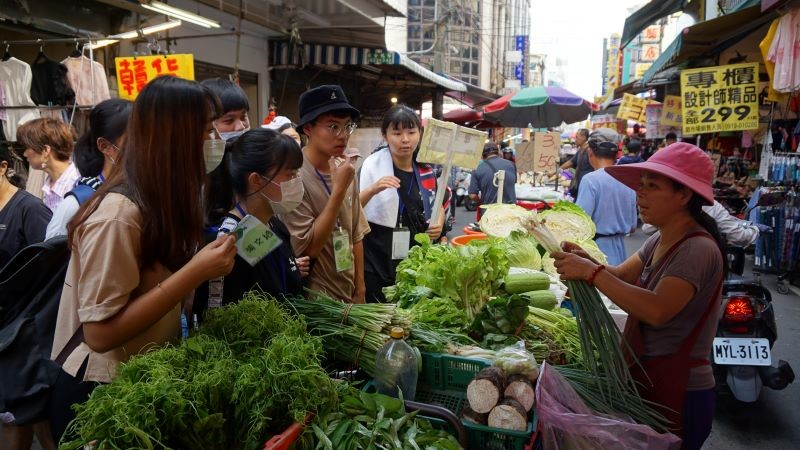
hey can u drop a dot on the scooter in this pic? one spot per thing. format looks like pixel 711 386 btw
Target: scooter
pixel 462 192
pixel 741 353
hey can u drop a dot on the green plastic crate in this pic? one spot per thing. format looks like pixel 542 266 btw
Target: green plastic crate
pixel 443 382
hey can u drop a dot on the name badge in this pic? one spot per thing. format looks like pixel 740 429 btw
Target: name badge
pixel 401 240
pixel 254 240
pixel 342 251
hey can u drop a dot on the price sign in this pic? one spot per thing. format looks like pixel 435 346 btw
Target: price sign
pixel 437 143
pixel 133 73
pixel 524 157
pixel 722 98
pixel 632 108
pixel 546 147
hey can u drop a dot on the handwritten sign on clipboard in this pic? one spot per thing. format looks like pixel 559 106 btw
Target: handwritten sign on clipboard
pixel 437 142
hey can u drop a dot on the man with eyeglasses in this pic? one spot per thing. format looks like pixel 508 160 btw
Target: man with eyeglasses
pixel 329 224
pixel 610 204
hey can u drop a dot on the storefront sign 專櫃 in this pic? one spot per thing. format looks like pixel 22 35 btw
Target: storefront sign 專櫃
pixel 134 72
pixel 632 108
pixel 721 98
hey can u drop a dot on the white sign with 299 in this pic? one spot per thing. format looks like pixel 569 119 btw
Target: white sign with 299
pixel 741 351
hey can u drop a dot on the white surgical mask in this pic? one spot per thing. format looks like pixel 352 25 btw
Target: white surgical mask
pixel 228 135
pixel 291 195
pixel 213 151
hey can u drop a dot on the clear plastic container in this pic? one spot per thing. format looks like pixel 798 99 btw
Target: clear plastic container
pixel 396 367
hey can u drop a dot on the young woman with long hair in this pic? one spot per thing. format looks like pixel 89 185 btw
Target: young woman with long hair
pixel 135 244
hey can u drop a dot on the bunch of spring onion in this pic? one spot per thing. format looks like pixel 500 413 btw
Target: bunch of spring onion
pixel 558 331
pixel 600 341
pixel 375 317
pixel 350 344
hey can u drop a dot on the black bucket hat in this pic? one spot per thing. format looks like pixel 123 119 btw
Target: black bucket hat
pixel 323 99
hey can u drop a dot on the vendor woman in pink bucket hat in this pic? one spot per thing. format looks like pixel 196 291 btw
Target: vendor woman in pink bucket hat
pixel 670 288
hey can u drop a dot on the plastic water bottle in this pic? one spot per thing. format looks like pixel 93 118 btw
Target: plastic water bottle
pixel 396 367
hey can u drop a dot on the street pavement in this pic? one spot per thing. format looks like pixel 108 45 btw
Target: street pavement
pixel 772 422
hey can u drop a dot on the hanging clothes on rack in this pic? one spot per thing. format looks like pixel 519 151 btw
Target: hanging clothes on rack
pixel 88 80
pixel 50 85
pixel 783 52
pixel 16 78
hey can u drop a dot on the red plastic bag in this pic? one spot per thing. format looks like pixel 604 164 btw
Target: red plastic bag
pixel 567 423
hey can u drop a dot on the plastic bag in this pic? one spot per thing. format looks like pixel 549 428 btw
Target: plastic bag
pixel 515 359
pixel 567 423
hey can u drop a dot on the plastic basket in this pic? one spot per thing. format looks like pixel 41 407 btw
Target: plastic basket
pixel 443 382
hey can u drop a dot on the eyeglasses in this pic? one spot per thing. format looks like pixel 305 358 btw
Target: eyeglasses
pixel 336 130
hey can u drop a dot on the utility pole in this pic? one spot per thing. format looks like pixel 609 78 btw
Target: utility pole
pixel 440 54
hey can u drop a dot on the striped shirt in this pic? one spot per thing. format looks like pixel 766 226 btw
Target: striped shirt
pixel 54 191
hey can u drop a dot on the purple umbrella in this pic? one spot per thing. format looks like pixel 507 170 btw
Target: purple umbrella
pixel 540 107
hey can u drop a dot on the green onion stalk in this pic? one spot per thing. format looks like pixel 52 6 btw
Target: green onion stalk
pixel 600 341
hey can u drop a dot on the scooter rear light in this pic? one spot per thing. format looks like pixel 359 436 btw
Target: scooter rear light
pixel 739 310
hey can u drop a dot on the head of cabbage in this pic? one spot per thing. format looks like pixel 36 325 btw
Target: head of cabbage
pixel 522 251
pixel 568 222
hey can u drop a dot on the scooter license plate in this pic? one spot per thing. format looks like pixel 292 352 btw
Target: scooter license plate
pixel 741 351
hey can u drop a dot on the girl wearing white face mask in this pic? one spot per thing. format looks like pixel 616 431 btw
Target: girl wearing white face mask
pixel 261 168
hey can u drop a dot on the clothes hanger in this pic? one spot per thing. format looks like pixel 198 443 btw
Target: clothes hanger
pixel 7 54
pixel 41 57
pixel 77 52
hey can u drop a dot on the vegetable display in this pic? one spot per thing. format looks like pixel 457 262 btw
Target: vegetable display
pixel 522 251
pixel 498 400
pixel 468 275
pixel 251 370
pixel 374 421
pixel 503 220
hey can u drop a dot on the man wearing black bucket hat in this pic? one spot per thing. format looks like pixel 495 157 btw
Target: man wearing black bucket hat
pixel 329 224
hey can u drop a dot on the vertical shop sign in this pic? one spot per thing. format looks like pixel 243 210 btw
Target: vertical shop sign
pixel 721 98
pixel 133 73
pixel 521 44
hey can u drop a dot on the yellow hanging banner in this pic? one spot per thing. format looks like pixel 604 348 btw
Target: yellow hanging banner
pixel 671 113
pixel 134 72
pixel 632 108
pixel 721 98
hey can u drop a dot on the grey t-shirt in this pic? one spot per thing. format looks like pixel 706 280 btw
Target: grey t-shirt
pixel 483 180
pixel 698 262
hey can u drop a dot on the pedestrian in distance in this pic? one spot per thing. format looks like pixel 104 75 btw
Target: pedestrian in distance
pixel 580 162
pixel 283 125
pixel 483 184
pixel 48 146
pixel 610 204
pixel 632 153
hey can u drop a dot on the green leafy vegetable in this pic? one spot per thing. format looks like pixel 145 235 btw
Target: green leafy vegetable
pixel 522 251
pixel 441 313
pixel 502 315
pixel 568 222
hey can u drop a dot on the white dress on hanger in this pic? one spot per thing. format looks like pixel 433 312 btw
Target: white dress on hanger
pixel 16 79
pixel 88 80
pixel 785 53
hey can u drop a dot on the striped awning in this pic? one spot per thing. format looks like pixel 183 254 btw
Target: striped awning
pixel 321 54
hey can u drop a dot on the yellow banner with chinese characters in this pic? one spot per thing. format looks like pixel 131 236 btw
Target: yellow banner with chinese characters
pixel 671 113
pixel 632 108
pixel 721 98
pixel 134 72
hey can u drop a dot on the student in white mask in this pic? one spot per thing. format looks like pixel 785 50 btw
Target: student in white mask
pixel 233 121
pixel 261 182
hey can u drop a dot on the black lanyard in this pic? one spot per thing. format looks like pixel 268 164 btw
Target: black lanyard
pixel 408 195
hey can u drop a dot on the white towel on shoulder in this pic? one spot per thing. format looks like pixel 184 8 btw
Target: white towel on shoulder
pixel 382 208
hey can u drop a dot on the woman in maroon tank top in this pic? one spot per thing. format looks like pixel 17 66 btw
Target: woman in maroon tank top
pixel 670 288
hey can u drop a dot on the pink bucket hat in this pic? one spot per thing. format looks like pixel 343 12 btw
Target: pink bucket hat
pixel 681 162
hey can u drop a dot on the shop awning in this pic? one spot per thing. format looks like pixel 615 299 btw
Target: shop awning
pixel 474 96
pixel 320 54
pixel 708 38
pixel 647 15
